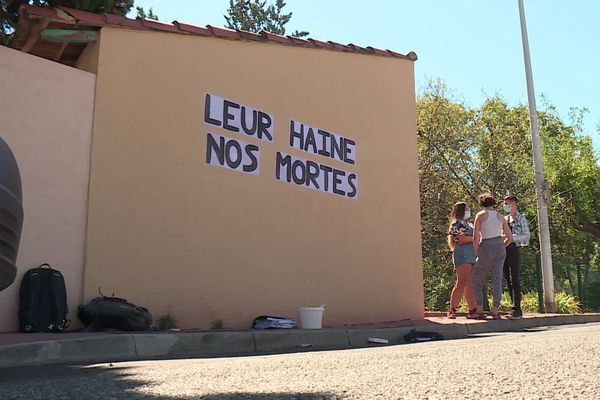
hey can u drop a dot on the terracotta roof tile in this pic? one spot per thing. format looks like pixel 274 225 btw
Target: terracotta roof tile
pixel 397 55
pixel 134 24
pixel 84 17
pixel 224 32
pixel 378 52
pixel 358 49
pixel 339 46
pixel 250 35
pixel 412 56
pixel 299 41
pixel 318 43
pixel 43 12
pixel 157 25
pixel 189 28
pixel 273 37
pixel 70 16
pixel 112 19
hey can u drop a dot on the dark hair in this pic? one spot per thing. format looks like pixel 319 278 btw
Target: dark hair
pixel 458 211
pixel 511 198
pixel 486 200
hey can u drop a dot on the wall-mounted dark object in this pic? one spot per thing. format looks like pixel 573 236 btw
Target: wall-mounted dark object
pixel 11 215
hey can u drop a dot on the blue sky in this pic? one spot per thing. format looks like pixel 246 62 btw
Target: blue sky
pixel 473 45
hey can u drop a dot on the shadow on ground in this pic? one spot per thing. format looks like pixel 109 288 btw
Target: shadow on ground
pixel 270 396
pixel 107 381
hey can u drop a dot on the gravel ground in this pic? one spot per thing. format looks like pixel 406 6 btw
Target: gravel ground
pixel 557 363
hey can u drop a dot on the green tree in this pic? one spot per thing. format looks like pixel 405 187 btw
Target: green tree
pixel 443 128
pixel 256 16
pixel 573 173
pixel 141 13
pixel 465 151
pixel 9 10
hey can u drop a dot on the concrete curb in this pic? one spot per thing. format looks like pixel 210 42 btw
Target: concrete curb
pixel 151 346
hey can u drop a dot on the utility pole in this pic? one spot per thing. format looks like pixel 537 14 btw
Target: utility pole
pixel 541 186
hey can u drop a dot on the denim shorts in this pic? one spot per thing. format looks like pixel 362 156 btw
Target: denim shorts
pixel 463 254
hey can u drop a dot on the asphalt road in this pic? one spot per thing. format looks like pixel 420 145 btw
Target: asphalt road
pixel 554 363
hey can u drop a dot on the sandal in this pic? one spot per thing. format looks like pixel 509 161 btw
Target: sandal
pixel 471 313
pixel 496 315
pixel 451 314
pixel 476 315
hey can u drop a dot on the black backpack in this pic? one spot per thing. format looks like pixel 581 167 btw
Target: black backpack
pixel 43 301
pixel 104 312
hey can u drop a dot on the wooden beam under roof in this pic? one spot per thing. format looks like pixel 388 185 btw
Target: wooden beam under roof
pixel 60 51
pixel 34 35
pixel 69 35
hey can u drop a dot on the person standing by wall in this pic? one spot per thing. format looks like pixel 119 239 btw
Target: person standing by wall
pixel 460 241
pixel 489 245
pixel 520 231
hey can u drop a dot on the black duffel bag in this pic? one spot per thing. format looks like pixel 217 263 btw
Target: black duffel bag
pixel 103 313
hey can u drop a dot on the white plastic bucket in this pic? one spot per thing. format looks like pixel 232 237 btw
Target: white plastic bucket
pixel 311 317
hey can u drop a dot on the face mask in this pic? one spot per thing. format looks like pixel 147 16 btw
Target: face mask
pixel 467 214
pixel 506 208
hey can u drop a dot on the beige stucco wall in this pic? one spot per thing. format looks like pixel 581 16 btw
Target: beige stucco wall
pixel 88 59
pixel 46 117
pixel 169 232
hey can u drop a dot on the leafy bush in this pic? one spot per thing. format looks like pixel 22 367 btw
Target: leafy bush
pixel 438 282
pixel 462 306
pixel 505 303
pixel 437 296
pixel 529 302
pixel 166 322
pixel 565 303
pixel 217 324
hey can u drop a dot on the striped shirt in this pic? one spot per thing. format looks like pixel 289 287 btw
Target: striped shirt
pixel 520 229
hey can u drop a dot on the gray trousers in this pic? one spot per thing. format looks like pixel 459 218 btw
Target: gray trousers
pixel 490 258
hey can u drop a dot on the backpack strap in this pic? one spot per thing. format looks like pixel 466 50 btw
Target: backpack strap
pixel 63 323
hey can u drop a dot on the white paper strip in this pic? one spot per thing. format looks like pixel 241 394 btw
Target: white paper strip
pixel 313 175
pixel 234 154
pixel 321 142
pixel 240 118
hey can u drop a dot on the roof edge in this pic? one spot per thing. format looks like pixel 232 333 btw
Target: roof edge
pixel 70 16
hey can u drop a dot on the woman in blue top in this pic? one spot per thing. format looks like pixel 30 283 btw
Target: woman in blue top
pixel 460 241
